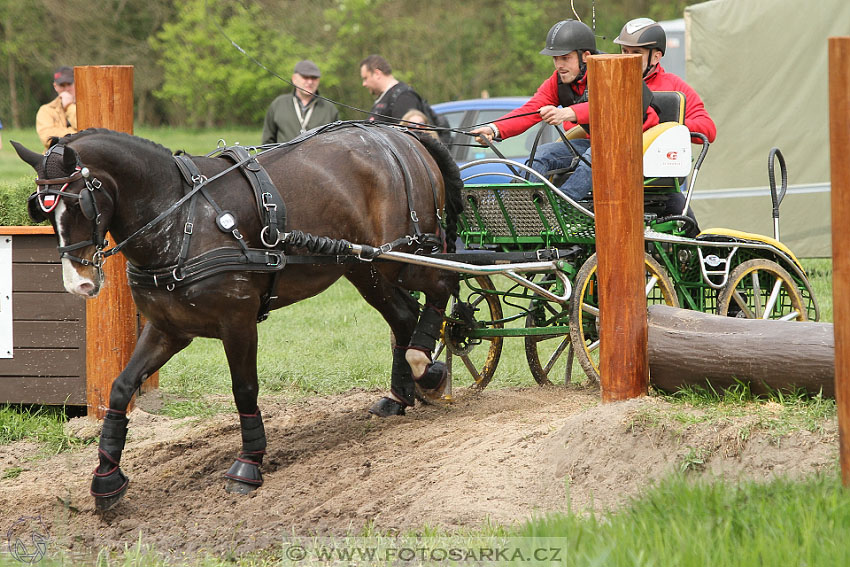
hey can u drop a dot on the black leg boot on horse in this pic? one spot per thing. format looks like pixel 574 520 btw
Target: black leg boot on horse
pixel 244 475
pixel 109 483
pixel 401 388
pixel 429 376
pixel 414 374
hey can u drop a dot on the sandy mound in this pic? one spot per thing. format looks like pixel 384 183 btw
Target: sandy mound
pixel 497 456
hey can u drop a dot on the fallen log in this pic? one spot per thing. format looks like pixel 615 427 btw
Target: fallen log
pixel 693 348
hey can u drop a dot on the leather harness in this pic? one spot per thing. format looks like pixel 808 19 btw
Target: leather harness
pixel 272 212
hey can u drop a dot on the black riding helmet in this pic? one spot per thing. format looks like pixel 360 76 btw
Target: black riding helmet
pixel 643 32
pixel 567 36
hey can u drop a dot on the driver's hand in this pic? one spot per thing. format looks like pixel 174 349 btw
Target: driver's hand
pixel 484 134
pixel 555 115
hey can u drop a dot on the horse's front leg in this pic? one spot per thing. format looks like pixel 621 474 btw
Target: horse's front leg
pixel 240 346
pixel 152 351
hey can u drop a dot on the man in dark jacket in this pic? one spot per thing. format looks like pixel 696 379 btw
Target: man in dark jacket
pixel 395 98
pixel 292 114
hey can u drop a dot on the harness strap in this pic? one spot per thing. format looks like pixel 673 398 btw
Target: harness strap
pixel 208 264
pixel 190 171
pixel 408 184
pixel 270 204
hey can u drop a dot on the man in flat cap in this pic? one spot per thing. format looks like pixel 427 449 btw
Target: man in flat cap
pixel 292 114
pixel 58 117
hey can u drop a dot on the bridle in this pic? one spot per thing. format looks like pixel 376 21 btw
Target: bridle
pixel 46 197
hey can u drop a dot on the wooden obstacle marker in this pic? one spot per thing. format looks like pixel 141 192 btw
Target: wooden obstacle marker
pixel 691 348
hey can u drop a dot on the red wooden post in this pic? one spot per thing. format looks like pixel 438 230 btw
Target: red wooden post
pixel 839 141
pixel 105 100
pixel 615 123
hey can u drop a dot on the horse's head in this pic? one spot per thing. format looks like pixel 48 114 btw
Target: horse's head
pixel 79 208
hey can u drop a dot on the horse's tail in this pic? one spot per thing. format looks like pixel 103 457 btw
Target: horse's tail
pixel 453 183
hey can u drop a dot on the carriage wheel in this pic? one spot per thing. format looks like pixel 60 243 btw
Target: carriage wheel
pixel 761 289
pixel 550 356
pixel 478 308
pixel 584 309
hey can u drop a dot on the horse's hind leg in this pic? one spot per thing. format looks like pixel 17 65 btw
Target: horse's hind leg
pixel 438 285
pixel 415 334
pixel 240 346
pixel 400 310
pixel 152 351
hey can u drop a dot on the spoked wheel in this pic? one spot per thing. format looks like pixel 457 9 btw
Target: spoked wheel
pixel 761 289
pixel 464 331
pixel 549 355
pixel 584 309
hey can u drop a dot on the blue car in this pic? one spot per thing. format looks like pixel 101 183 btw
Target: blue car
pixel 465 114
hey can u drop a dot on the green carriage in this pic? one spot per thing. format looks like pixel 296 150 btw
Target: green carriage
pixel 526 221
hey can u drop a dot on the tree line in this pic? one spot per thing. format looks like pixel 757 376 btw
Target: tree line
pixel 189 72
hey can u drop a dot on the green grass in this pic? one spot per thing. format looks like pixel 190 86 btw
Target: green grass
pixel 819 271
pixel 39 424
pixel 778 413
pixel 684 523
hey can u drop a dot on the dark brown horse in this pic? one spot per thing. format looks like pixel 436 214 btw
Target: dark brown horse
pixel 206 251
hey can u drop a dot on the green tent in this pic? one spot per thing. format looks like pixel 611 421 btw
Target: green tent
pixel 761 67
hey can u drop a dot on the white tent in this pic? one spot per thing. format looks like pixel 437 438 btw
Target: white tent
pixel 761 68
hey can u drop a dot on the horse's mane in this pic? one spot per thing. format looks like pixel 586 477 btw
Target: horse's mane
pixel 92 131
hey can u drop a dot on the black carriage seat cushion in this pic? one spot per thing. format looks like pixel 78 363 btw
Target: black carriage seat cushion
pixel 670 106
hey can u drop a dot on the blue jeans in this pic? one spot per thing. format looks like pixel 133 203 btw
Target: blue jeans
pixel 557 155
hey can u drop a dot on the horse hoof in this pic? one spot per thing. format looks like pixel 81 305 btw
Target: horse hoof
pixel 244 476
pixel 106 503
pixel 108 490
pixel 236 487
pixel 386 407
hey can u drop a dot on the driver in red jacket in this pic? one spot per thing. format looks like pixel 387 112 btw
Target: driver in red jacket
pixel 646 37
pixel 560 100
pixel 642 36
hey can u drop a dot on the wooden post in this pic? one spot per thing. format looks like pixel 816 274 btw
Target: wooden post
pixel 615 124
pixel 105 100
pixel 839 141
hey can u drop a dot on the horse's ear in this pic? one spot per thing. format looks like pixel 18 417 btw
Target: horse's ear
pixel 70 159
pixel 28 156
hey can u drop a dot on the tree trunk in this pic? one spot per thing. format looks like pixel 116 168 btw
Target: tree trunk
pixel 692 348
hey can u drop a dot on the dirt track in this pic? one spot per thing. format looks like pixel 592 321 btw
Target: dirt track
pixel 497 456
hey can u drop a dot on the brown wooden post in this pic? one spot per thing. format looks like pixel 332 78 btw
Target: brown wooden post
pixel 839 141
pixel 615 124
pixel 105 100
